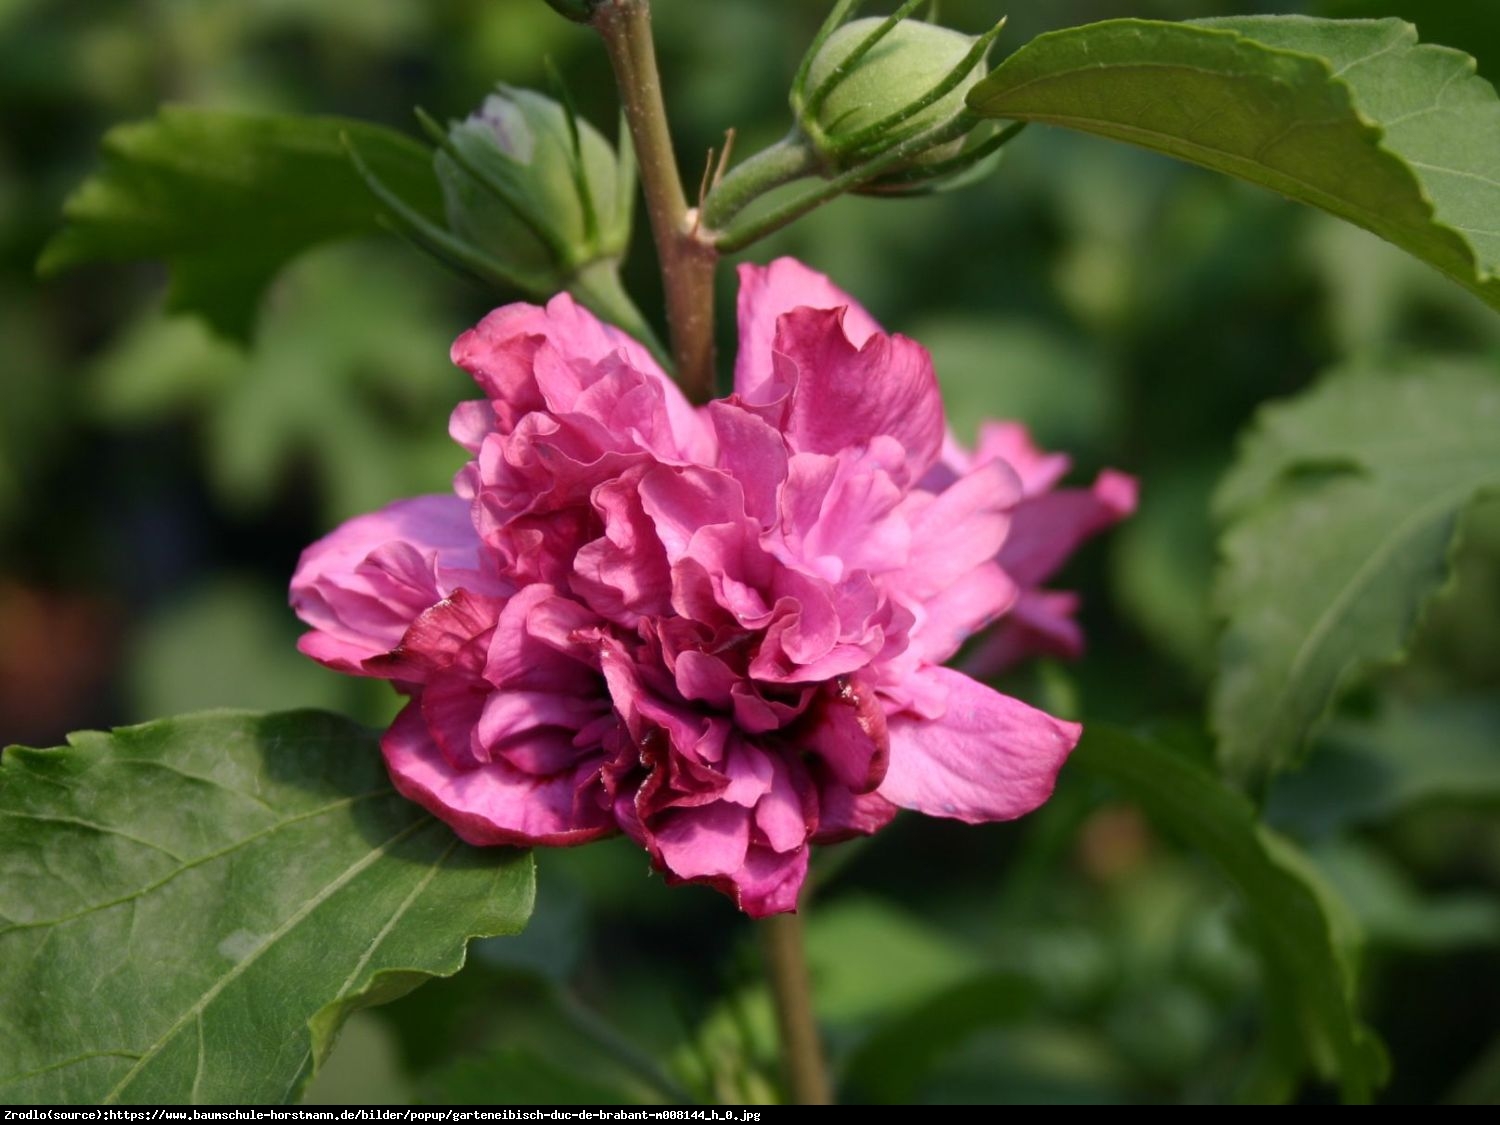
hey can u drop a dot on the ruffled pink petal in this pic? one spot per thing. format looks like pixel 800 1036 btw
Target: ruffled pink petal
pixel 451 707
pixel 361 586
pixel 536 645
pixel 785 817
pixel 471 422
pixel 958 530
pixel 754 454
pixel 681 500
pixel 751 773
pixel 841 396
pixel 843 815
pixel 534 730
pixel 1041 623
pixel 839 514
pixel 767 883
pixel 527 359
pixel 453 632
pixel 697 843
pixel 766 293
pixel 847 730
pixel 947 619
pixel 757 856
pixel 1047 529
pixel 623 575
pixel 805 641
pixel 500 351
pixel 723 576
pixel 494 803
pixel 1011 442
pixel 989 757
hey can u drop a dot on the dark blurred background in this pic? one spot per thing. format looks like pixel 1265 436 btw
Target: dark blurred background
pixel 157 484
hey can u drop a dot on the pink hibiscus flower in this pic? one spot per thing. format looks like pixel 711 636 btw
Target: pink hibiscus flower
pixel 720 630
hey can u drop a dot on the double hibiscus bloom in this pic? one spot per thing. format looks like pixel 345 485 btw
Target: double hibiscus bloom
pixel 719 630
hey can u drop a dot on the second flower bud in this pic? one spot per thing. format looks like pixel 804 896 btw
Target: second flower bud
pixel 535 188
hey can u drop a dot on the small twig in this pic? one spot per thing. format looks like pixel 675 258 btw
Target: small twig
pixel 724 155
pixel 708 175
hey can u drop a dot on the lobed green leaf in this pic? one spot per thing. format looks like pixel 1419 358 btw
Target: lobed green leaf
pixel 1353 116
pixel 227 199
pixel 189 909
pixel 1342 509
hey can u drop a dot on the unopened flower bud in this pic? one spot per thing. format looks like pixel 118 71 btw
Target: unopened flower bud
pixel 910 59
pixel 534 188
pixel 873 84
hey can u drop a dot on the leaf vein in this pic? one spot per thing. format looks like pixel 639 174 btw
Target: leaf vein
pixel 385 930
pixel 1392 44
pixel 190 864
pixel 291 923
pixel 64 1063
pixel 1453 172
pixel 103 829
pixel 1368 569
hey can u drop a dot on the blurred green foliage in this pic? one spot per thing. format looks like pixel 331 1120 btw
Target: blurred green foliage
pixel 157 483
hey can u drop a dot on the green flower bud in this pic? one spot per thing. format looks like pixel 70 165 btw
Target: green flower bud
pixel 534 188
pixel 904 64
pixel 872 84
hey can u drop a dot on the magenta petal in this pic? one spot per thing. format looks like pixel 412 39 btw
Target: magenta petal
pixel 958 612
pixel 770 881
pixel 840 514
pixel 501 350
pixel 989 757
pixel 493 804
pixel 842 815
pixel 680 501
pixel 847 730
pixel 705 678
pixel 1011 443
pixel 751 773
pixel 470 423
pixel 767 292
pixel 624 574
pixel 844 396
pixel 754 454
pixel 510 718
pixel 1040 623
pixel 959 529
pixel 361 586
pixel 451 632
pixel 1047 529
pixel 785 816
pixel 532 647
pixel 695 843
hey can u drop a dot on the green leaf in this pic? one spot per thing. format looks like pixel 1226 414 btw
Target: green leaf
pixel 1353 116
pixel 342 394
pixel 1394 912
pixel 190 908
pixel 227 199
pixel 1302 931
pixel 1342 510
pixel 1369 769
